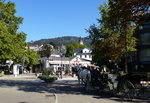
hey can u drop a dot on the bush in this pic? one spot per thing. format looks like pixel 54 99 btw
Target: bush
pixel 148 76
pixel 121 73
pixel 48 78
pixel 1 75
pixel 0 71
pixel 47 71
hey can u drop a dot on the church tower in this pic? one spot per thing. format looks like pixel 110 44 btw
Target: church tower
pixel 81 41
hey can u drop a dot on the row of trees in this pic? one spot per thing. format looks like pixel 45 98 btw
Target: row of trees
pixel 12 42
pixel 115 34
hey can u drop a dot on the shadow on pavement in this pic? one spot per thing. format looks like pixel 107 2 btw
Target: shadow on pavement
pixel 68 87
pixel 58 87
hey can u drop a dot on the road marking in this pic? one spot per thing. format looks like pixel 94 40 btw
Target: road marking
pixel 56 98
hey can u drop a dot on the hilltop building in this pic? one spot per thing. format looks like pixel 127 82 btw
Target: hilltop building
pixel 35 48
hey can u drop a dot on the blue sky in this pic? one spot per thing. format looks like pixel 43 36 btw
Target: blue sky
pixel 45 19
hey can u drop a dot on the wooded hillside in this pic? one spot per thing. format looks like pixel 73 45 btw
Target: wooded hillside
pixel 62 40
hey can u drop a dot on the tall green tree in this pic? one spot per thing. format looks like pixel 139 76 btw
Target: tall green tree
pixel 46 50
pixel 6 44
pixel 126 11
pixel 31 58
pixel 70 48
pixel 125 18
pixel 12 43
pixel 77 45
pixel 108 41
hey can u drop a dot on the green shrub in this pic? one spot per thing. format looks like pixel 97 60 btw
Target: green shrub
pixel 47 71
pixel 0 71
pixel 1 75
pixel 148 75
pixel 121 73
pixel 48 78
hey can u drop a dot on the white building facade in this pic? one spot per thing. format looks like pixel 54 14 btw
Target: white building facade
pixel 83 53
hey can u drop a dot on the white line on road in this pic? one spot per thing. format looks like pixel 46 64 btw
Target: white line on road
pixel 56 98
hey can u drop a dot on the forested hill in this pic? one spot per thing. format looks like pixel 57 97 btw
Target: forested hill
pixel 62 40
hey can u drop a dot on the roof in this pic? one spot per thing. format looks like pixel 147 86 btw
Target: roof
pixel 54 51
pixel 64 58
pixel 80 50
pixel 58 58
pixel 83 53
pixel 85 59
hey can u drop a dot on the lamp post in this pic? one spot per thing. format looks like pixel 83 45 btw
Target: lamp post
pixel 70 71
pixel 22 58
pixel 125 55
pixel 61 67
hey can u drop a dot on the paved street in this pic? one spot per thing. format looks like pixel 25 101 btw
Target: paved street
pixel 24 90
pixel 68 91
pixel 33 90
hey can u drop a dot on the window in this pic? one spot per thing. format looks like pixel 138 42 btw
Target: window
pixel 146 26
pixel 147 23
pixel 89 56
pixel 145 39
pixel 145 55
pixel 85 56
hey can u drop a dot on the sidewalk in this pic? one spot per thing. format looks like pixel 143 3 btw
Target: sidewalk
pixel 20 76
pixel 67 78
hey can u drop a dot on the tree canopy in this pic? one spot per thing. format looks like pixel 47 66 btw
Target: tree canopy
pixel 31 57
pixel 46 50
pixel 12 42
pixel 127 10
pixel 110 41
pixel 70 48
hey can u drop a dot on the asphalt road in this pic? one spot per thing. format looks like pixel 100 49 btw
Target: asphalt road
pixel 24 90
pixel 33 90
pixel 68 91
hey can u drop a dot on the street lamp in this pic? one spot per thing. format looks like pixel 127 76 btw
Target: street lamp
pixel 22 59
pixel 125 55
pixel 61 67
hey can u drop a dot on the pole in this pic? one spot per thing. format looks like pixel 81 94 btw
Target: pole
pixel 125 55
pixel 22 63
pixel 61 68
